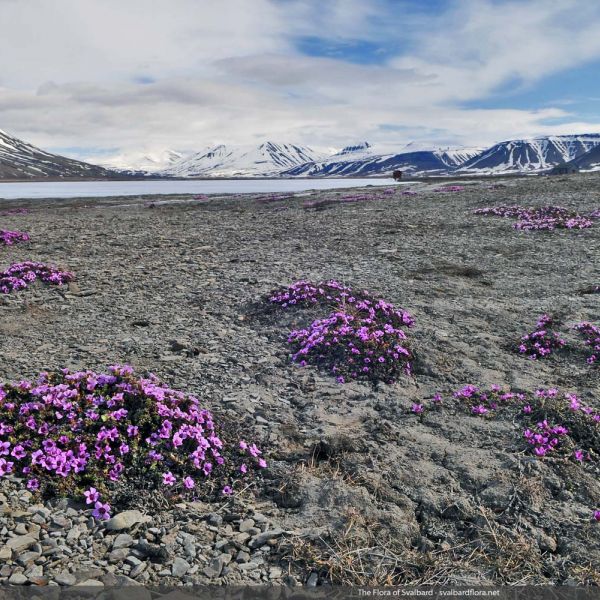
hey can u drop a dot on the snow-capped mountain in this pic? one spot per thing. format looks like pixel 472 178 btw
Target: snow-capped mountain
pixel 267 159
pixel 362 160
pixel 144 162
pixel 529 155
pixel 19 160
pixel 590 161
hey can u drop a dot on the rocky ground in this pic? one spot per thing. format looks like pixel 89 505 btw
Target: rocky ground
pixel 359 489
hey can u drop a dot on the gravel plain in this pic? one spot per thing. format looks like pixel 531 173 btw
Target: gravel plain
pixel 360 489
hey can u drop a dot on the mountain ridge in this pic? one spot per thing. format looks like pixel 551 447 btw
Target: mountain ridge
pixel 20 160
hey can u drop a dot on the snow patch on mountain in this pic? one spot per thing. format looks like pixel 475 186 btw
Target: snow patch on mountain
pixel 143 161
pixel 363 160
pixel 529 155
pixel 267 159
pixel 20 160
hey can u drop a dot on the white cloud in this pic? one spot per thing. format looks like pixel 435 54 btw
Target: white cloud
pixel 151 74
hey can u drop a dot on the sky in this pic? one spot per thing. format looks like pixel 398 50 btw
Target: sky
pixel 100 78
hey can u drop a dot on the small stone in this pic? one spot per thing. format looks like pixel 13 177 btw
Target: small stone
pixel 180 567
pixel 34 572
pixel 5 553
pixel 214 519
pixel 260 539
pixel 90 583
pixel 546 543
pixel 65 578
pixel 242 557
pixel 20 543
pixel 28 557
pixel 138 570
pixel 246 524
pixel 118 555
pixel 17 579
pixel 275 573
pixel 21 529
pixel 312 580
pixel 249 566
pixel 60 522
pixel 126 520
pixel 123 540
pixel 214 569
pixel 153 551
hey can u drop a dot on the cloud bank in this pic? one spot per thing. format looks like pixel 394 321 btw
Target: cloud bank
pixel 95 77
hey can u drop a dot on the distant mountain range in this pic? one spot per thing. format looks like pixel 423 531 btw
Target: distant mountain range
pixel 590 161
pixel 19 160
pixel 538 154
pixel 361 160
pixel 269 159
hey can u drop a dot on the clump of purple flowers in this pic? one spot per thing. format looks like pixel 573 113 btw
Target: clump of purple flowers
pixel 542 341
pixel 545 438
pixel 71 431
pixel 591 336
pixel 362 338
pixel 539 218
pixel 8 238
pixel 273 197
pixel 304 294
pixel 450 188
pixel 14 211
pixel 19 275
pixel 483 402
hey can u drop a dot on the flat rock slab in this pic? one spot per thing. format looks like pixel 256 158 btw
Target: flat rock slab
pixel 126 520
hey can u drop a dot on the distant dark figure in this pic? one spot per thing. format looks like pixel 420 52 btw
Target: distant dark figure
pixel 397 175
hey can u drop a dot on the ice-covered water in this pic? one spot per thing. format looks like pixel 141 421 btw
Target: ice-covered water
pixel 98 189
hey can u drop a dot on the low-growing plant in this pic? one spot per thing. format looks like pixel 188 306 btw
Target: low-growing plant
pixel 541 342
pixel 544 437
pixel 14 211
pixel 84 433
pixel 362 338
pixel 8 238
pixel 273 197
pixel 487 402
pixel 19 275
pixel 591 336
pixel 540 218
pixel 346 199
pixel 450 188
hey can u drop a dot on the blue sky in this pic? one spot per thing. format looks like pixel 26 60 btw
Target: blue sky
pixel 186 75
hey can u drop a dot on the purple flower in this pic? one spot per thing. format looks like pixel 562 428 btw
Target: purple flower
pixel 189 483
pixel 417 408
pixel 101 511
pixel 168 478
pixel 91 495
